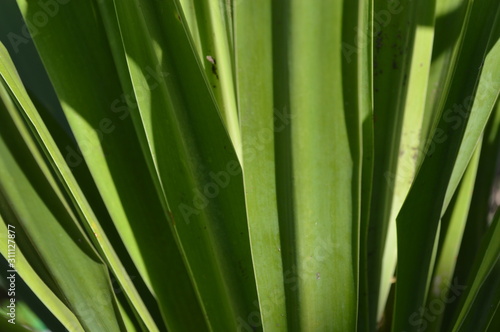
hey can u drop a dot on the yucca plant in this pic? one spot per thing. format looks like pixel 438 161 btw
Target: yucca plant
pixel 250 165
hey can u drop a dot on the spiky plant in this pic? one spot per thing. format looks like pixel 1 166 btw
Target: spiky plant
pixel 250 165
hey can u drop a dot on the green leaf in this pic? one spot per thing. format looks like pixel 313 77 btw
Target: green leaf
pixel 453 225
pixel 217 58
pixel 321 212
pixel 482 296
pixel 59 241
pixel 71 186
pixel 258 121
pixel 358 94
pixel 100 120
pixel 443 166
pixel 397 82
pixel 193 158
pixel 481 205
pixel 38 286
